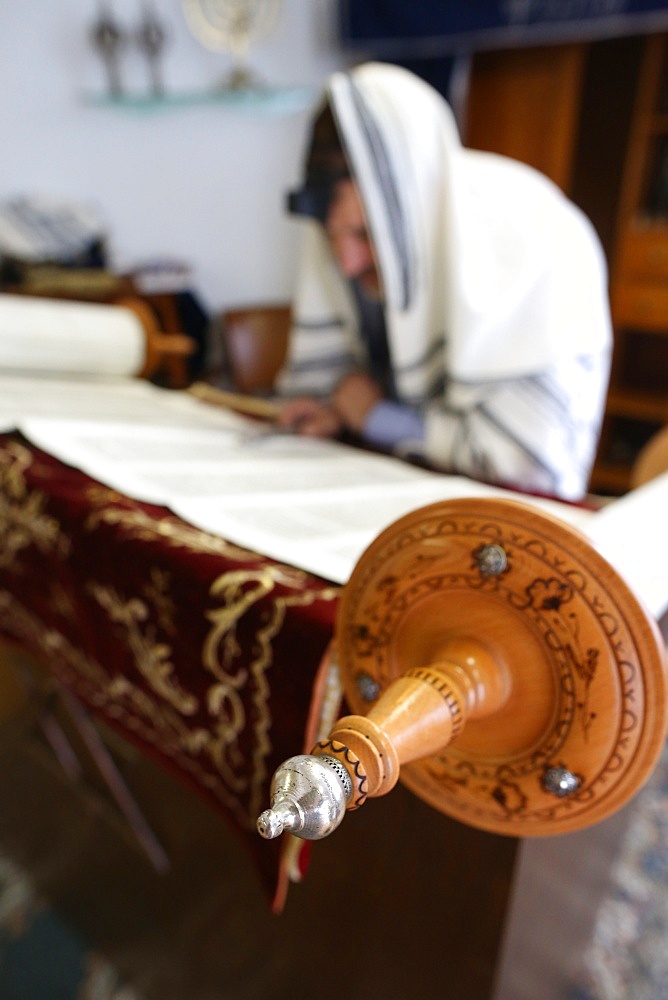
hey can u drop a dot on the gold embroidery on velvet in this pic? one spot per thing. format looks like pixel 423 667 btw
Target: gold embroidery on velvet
pixel 159 724
pixel 151 657
pixel 146 527
pixel 132 708
pixel 60 600
pixel 172 530
pixel 22 519
pixel 98 494
pixel 239 590
pixel 158 721
pixel 262 743
pixel 157 594
pixel 17 621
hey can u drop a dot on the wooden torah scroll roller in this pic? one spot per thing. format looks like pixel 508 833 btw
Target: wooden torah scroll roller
pixel 159 346
pixel 496 663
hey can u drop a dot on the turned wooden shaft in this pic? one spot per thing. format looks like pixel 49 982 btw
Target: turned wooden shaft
pixel 419 713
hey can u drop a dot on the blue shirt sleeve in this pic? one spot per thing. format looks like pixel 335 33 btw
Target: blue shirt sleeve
pixel 390 424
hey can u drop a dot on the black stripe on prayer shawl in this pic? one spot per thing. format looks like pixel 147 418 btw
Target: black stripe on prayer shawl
pixel 465 453
pixel 483 411
pixel 427 358
pixel 342 359
pixel 550 396
pixel 431 361
pixel 322 325
pixel 434 393
pixel 388 184
pixel 546 384
pixel 437 386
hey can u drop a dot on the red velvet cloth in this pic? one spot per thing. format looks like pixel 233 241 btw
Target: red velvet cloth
pixel 202 654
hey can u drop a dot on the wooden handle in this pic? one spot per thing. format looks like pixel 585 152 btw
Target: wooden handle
pixel 420 713
pixel 253 406
pixel 498 665
pixel 159 345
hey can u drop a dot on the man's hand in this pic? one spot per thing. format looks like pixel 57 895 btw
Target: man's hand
pixel 351 401
pixel 310 417
pixel 354 397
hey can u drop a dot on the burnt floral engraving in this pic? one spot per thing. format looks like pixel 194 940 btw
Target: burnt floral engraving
pixel 543 587
pixel 550 596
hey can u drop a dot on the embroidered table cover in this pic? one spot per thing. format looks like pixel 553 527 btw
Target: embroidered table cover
pixel 202 654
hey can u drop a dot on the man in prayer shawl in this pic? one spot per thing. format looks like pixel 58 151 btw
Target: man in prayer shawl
pixel 451 305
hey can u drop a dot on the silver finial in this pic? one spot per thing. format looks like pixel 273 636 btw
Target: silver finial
pixel 308 798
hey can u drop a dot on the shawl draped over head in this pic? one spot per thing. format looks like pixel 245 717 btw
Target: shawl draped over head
pixel 490 274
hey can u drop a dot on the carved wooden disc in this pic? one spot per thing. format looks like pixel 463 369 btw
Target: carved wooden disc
pixel 586 662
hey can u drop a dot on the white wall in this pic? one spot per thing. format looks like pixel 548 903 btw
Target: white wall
pixel 204 184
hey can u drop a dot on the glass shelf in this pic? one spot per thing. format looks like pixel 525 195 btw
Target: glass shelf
pixel 256 100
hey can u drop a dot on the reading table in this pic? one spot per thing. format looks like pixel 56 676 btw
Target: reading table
pixel 206 657
pixel 210 659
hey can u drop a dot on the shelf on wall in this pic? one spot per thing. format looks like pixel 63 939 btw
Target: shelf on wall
pixel 257 100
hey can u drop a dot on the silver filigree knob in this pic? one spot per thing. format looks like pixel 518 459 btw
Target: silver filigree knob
pixel 492 559
pixel 309 796
pixel 560 781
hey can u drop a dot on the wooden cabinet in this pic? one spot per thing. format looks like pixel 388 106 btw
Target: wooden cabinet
pixel 637 404
pixel 594 118
pixel 524 103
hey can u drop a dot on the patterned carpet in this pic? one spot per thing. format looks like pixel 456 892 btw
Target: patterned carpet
pixel 41 956
pixel 627 958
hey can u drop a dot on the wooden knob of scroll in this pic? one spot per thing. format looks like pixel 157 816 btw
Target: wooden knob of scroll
pixel 158 345
pixel 420 713
pixel 495 659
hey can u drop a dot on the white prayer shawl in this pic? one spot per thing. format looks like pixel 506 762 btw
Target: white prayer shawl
pixel 495 291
